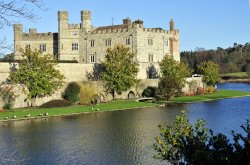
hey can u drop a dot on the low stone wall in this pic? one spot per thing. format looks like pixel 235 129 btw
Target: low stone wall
pixel 79 73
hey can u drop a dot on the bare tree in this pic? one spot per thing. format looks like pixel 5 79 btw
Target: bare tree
pixel 13 9
pixel 4 47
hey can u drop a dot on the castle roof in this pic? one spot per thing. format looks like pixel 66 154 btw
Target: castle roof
pixel 112 27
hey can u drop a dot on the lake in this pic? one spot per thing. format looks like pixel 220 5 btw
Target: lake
pixel 119 137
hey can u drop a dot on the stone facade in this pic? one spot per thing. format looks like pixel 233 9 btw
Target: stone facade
pixel 86 44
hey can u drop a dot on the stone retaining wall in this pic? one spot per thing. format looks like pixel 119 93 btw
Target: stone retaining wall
pixel 79 73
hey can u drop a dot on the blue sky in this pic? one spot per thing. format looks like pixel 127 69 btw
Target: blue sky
pixel 202 23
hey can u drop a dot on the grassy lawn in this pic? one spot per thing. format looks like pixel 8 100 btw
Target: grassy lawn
pixel 235 75
pixel 207 97
pixel 34 112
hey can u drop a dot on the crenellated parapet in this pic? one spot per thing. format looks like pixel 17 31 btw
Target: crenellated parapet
pixel 74 26
pixel 106 31
pixel 39 36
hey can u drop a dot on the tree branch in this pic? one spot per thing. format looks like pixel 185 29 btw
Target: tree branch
pixel 19 9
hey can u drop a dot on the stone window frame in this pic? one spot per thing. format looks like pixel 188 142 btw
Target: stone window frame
pixel 92 43
pixel 74 46
pixel 165 42
pixel 92 58
pixel 108 42
pixel 43 48
pixel 150 41
pixel 127 41
pixel 150 57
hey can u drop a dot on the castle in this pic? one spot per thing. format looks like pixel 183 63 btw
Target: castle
pixel 87 44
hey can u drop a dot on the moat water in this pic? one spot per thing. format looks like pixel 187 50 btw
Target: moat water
pixel 121 137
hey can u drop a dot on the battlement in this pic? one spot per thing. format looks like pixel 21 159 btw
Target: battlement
pixel 106 31
pixel 39 36
pixel 85 15
pixel 63 15
pixel 18 27
pixel 159 30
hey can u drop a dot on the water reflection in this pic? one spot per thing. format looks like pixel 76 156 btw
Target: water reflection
pixel 121 137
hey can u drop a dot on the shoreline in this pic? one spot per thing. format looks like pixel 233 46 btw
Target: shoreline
pixel 75 114
pixel 235 80
pixel 209 100
pixel 114 106
pixel 220 94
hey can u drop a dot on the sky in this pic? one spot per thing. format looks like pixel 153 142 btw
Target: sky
pixel 202 23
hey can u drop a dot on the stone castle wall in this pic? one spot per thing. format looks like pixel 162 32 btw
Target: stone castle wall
pixel 34 40
pixel 79 73
pixel 72 72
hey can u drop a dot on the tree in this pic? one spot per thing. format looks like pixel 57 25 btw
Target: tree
pixel 119 69
pixel 210 72
pixel 183 143
pixel 9 57
pixel 172 78
pixel 12 10
pixel 18 9
pixel 38 75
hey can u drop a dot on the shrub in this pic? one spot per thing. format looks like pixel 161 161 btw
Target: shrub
pixel 88 94
pixel 72 92
pixel 149 92
pixel 200 91
pixel 211 89
pixel 8 97
pixel 57 103
pixel 186 144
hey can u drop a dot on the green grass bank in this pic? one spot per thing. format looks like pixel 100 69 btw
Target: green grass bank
pixel 236 75
pixel 35 112
pixel 220 94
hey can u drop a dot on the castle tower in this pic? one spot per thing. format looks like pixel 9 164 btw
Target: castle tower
pixel 18 30
pixel 62 27
pixel 86 20
pixel 171 24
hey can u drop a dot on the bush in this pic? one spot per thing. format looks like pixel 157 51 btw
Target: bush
pixel 186 144
pixel 149 92
pixel 57 103
pixel 88 94
pixel 211 89
pixel 72 92
pixel 200 91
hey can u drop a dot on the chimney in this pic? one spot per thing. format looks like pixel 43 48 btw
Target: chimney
pixel 171 24
pixel 126 21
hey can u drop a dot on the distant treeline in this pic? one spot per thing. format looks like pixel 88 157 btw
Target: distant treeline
pixel 232 59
